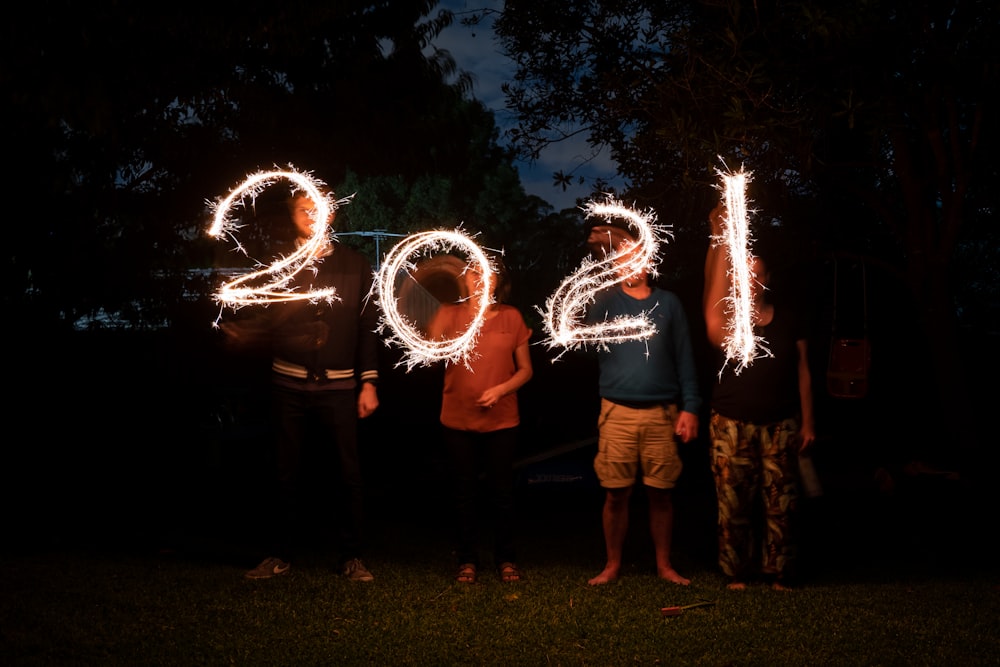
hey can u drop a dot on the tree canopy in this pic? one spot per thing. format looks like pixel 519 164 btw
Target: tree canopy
pixel 123 119
pixel 868 125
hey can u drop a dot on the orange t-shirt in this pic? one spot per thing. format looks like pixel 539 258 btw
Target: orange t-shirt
pixel 490 363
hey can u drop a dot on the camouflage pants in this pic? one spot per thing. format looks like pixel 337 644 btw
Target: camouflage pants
pixel 756 480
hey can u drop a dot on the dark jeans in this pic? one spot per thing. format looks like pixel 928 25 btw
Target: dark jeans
pixel 469 452
pixel 318 470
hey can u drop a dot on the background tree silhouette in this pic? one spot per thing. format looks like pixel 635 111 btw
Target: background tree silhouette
pixel 866 126
pixel 123 120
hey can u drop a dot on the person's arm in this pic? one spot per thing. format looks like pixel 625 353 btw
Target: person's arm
pixel 251 329
pixel 686 426
pixel 522 373
pixel 807 431
pixel 437 326
pixel 717 282
pixel 367 346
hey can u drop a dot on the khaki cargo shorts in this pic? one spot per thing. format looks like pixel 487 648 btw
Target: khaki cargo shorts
pixel 631 439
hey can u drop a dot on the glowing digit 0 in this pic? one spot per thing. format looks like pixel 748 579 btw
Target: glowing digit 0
pixel 398 266
pixel 568 305
pixel 274 283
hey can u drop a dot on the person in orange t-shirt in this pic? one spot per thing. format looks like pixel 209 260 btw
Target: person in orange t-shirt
pixel 480 417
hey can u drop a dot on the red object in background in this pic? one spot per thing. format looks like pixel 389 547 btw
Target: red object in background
pixel 850 361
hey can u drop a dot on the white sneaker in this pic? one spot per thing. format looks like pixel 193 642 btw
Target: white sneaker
pixel 269 567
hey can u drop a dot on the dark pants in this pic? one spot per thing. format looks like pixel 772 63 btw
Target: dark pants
pixel 318 471
pixel 469 452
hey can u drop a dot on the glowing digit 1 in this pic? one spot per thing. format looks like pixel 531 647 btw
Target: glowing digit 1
pixel 398 264
pixel 742 345
pixel 274 281
pixel 568 305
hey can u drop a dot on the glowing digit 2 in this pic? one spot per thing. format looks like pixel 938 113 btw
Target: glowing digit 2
pixel 568 305
pixel 273 283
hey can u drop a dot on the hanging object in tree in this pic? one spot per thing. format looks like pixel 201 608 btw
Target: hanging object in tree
pixel 850 349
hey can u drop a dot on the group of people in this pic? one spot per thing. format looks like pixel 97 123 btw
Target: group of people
pixel 325 374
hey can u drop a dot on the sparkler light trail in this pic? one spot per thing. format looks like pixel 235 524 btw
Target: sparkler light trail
pixel 742 345
pixel 397 267
pixel 567 306
pixel 273 283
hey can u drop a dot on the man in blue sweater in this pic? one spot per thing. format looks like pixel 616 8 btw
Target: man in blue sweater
pixel 649 399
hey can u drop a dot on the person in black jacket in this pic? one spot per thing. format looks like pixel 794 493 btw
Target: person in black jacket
pixel 325 370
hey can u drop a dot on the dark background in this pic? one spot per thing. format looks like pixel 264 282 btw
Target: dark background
pixel 121 121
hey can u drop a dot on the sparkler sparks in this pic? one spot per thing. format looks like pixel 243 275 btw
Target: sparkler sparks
pixel 742 345
pixel 398 266
pixel 274 282
pixel 567 306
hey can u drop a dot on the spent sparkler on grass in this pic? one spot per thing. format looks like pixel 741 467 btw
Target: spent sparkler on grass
pixel 274 282
pixel 398 267
pixel 566 309
pixel 742 345
pixel 678 609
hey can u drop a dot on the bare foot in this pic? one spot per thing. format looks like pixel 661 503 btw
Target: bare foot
pixel 778 586
pixel 670 574
pixel 736 586
pixel 608 576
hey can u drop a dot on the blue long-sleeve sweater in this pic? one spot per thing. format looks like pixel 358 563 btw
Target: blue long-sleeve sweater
pixel 660 368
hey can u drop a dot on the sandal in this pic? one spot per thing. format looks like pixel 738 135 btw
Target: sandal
pixel 466 574
pixel 509 573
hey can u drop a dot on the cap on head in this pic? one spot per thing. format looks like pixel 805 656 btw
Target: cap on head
pixel 606 235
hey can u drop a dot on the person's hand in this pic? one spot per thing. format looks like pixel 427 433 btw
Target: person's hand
pixel 807 436
pixel 489 398
pixel 367 400
pixel 244 334
pixel 686 427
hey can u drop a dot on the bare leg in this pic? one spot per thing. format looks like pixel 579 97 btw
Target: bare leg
pixel 661 527
pixel 615 520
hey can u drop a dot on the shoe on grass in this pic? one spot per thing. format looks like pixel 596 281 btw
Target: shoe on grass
pixel 269 567
pixel 355 570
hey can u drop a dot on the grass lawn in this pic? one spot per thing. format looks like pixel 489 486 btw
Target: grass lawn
pixel 115 595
